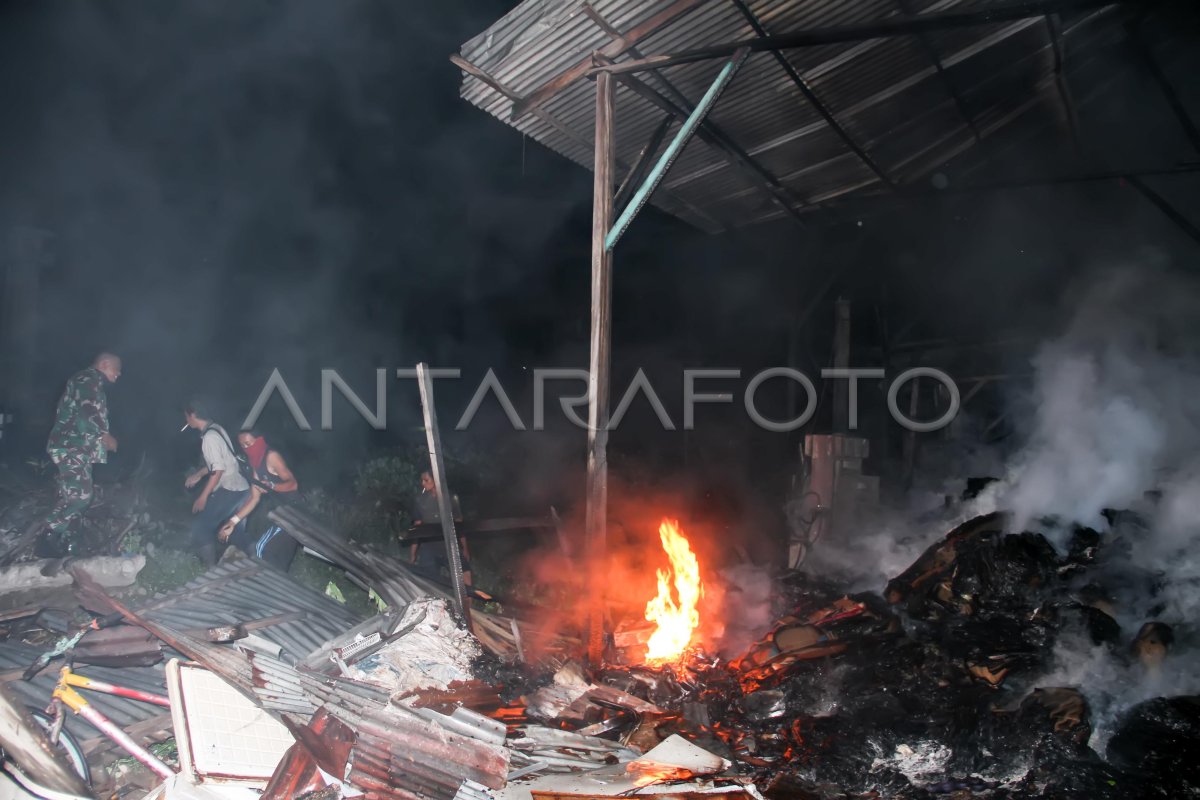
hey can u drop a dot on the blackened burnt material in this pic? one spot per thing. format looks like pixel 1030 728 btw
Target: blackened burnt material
pixel 1160 740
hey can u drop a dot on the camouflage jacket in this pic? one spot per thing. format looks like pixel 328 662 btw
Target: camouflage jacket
pixel 82 419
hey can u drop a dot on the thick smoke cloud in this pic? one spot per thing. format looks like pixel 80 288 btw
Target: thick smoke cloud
pixel 1113 401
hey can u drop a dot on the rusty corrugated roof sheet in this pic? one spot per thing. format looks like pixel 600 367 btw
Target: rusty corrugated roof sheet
pixel 886 93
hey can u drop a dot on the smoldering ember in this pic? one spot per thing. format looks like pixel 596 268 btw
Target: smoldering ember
pixel 931 532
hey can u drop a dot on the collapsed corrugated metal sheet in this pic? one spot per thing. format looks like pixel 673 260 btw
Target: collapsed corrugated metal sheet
pixel 392 579
pixel 886 93
pixel 243 590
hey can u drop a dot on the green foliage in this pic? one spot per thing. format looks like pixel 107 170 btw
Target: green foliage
pixel 379 506
pixel 332 590
pixel 377 600
pixel 319 575
pixel 168 569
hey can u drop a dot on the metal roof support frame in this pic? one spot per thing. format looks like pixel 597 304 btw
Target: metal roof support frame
pixel 596 521
pixel 812 98
pixel 613 49
pixel 549 119
pixel 931 52
pixel 714 136
pixel 637 172
pixel 1160 202
pixel 898 26
pixel 682 137
pixel 676 103
pixel 1152 66
pixel 1060 78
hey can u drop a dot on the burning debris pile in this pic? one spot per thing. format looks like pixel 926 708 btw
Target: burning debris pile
pixel 949 684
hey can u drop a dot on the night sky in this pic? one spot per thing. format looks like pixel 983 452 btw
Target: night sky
pixel 236 187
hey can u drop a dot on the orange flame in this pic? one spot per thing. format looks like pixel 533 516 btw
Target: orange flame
pixel 676 621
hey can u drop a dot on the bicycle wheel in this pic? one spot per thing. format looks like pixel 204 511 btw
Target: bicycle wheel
pixel 67 744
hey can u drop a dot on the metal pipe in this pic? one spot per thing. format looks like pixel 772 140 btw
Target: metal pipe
pixel 682 137
pixel 80 706
pixel 72 679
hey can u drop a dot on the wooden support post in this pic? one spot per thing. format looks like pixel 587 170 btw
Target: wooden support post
pixel 445 499
pixel 910 437
pixel 596 528
pixel 841 360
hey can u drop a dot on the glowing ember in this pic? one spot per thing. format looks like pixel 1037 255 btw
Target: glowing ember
pixel 676 620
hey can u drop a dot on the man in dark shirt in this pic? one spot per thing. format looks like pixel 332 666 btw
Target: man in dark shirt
pixel 430 556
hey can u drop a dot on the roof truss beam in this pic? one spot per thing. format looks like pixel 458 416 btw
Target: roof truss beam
pixel 647 27
pixel 903 25
pixel 951 89
pixel 812 98
pixel 1146 56
pixel 713 136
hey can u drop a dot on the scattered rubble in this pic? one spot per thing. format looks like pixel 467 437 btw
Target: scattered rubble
pixel 932 689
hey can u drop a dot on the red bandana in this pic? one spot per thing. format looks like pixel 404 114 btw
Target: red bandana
pixel 257 452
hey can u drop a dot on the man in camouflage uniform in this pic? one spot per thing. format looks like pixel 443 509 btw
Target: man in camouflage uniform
pixel 79 439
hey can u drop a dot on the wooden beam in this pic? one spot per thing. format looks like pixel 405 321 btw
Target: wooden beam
pixel 900 25
pixel 596 529
pixel 637 173
pixel 501 525
pixel 562 128
pixel 445 500
pixel 613 49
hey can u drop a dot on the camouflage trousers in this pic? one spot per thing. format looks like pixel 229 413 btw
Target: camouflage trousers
pixel 74 491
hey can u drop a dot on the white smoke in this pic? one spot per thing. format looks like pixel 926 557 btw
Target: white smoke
pixel 1112 408
pixel 1114 424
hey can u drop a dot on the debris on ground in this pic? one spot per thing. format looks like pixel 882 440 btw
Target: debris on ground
pixel 935 688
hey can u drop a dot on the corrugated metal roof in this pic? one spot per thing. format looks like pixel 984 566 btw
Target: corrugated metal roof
pixel 886 93
pixel 243 590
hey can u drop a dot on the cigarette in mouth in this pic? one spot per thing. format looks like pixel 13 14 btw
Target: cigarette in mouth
pixel 184 428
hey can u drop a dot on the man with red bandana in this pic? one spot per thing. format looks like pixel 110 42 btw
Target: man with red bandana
pixel 274 481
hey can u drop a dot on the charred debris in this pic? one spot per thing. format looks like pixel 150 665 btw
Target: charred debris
pixel 943 685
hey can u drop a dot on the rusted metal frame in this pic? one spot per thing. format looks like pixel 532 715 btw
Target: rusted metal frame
pixel 899 26
pixel 437 463
pixel 558 125
pixel 596 522
pixel 813 100
pixel 943 75
pixel 637 173
pixel 682 137
pixel 1146 56
pixel 712 135
pixel 613 49
pixel 1160 202
pixel 1060 78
